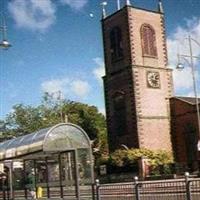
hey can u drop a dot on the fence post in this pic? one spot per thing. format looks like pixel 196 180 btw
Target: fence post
pixel 97 189
pixel 137 192
pixel 187 184
pixel 93 191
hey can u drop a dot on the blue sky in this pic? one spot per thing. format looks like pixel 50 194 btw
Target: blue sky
pixel 57 45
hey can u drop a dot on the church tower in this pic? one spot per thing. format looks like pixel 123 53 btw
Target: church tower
pixel 137 83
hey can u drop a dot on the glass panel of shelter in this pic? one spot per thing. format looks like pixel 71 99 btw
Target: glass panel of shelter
pixel 54 174
pixel 4 183
pixel 68 174
pixel 58 174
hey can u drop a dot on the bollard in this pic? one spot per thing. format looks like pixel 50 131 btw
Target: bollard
pixel 187 174
pixel 137 185
pixel 187 184
pixel 39 192
pixel 97 189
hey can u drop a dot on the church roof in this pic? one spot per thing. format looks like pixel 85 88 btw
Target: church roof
pixel 190 100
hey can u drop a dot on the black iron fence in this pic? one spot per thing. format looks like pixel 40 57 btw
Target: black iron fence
pixel 176 189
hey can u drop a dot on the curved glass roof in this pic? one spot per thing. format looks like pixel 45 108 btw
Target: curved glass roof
pixel 61 137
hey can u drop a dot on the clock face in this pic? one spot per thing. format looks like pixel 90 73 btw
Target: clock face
pixel 153 79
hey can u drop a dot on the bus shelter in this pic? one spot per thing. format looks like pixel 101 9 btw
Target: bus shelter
pixel 59 156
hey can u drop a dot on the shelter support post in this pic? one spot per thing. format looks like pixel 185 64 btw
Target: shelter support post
pixel 25 188
pixel 34 165
pixel 76 174
pixel 60 175
pixel 11 180
pixel 47 177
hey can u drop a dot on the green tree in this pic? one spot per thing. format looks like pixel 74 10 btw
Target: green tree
pixel 27 119
pixel 5 132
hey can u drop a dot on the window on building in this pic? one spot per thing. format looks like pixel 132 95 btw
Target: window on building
pixel 120 113
pixel 148 38
pixel 116 44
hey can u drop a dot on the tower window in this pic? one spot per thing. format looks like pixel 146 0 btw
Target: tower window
pixel 148 38
pixel 120 113
pixel 116 44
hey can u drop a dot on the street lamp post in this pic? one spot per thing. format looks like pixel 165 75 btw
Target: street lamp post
pixel 4 44
pixel 191 58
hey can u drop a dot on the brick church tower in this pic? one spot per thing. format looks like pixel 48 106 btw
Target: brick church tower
pixel 137 83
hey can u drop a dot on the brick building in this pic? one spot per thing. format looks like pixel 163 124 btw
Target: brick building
pixel 138 83
pixel 184 131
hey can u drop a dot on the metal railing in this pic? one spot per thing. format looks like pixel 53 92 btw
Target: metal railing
pixel 176 189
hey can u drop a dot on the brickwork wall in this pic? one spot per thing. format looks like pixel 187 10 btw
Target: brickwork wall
pixel 152 104
pixel 153 109
pixel 121 82
pixel 183 123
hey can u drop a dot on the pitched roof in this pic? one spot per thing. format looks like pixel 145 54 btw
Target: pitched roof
pixel 190 100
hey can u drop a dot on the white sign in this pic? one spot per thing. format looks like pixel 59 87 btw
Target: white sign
pixel 1 167
pixel 10 153
pixel 103 170
pixel 17 164
pixel 198 145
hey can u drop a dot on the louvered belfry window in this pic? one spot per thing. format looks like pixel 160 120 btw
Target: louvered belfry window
pixel 148 37
pixel 116 44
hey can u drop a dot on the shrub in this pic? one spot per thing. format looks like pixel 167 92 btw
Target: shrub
pixel 126 160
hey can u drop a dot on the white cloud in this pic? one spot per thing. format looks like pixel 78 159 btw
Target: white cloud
pixel 99 71
pixel 55 85
pixel 69 88
pixel 183 78
pixel 75 4
pixel 102 111
pixel 80 88
pixel 177 43
pixel 191 94
pixel 33 14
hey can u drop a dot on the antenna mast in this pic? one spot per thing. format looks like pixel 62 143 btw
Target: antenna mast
pixel 128 3
pixel 103 4
pixel 118 4
pixel 160 7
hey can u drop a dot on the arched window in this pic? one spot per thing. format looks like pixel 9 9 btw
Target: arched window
pixel 120 113
pixel 148 38
pixel 116 44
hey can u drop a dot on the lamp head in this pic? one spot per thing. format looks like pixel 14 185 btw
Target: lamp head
pixel 5 44
pixel 187 174
pixel 180 66
pixel 104 3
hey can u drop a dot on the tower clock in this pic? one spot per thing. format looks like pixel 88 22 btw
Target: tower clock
pixel 153 79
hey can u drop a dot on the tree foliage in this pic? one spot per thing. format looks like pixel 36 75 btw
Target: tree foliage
pixel 26 119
